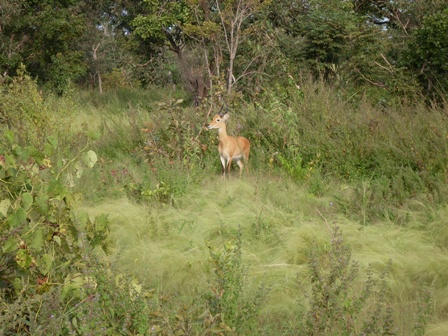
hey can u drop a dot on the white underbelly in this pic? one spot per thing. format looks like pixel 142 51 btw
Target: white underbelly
pixel 235 158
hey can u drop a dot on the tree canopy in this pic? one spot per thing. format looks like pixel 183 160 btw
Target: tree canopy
pixel 383 49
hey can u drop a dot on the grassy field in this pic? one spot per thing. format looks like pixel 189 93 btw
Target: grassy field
pixel 339 227
pixel 167 248
pixel 279 216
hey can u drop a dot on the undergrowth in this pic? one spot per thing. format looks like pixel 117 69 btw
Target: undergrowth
pixel 236 241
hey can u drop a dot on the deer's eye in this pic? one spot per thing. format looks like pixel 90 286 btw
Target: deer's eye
pixel 218 120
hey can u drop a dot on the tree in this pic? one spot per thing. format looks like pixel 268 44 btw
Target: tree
pixel 325 36
pixel 342 42
pixel 212 32
pixel 228 29
pixel 11 43
pixel 234 15
pixel 161 25
pixel 403 15
pixel 44 36
pixel 56 40
pixel 427 54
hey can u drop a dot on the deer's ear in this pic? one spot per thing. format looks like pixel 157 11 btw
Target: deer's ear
pixel 226 116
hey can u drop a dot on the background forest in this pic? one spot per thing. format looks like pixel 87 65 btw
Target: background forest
pixel 114 219
pixel 386 51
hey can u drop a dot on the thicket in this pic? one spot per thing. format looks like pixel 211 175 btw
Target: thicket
pixel 385 50
pixel 354 130
pixel 55 274
pixel 393 159
pixel 390 157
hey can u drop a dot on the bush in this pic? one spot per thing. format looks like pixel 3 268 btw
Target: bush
pixel 338 306
pixel 51 279
pixel 230 307
pixel 23 109
pixel 401 151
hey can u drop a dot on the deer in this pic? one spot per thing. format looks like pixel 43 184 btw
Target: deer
pixel 230 148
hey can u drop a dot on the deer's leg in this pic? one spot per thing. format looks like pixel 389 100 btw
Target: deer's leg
pixel 241 165
pixel 229 164
pixel 223 163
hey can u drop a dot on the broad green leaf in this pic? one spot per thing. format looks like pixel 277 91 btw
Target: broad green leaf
pixel 9 135
pixel 82 219
pixel 56 188
pixel 101 222
pixel 4 207
pixel 64 265
pixel 35 169
pixel 36 154
pixel 48 149
pixel 69 199
pixel 27 201
pixel 12 172
pixel 52 141
pixel 93 134
pixel 69 291
pixel 10 161
pixel 42 204
pixel 37 242
pixel 75 322
pixel 119 280
pixel 57 239
pixel 78 196
pixel 17 218
pixel 135 288
pixel 10 245
pixel 23 258
pixel 18 285
pixel 74 285
pixel 44 264
pixel 73 199
pixel 20 152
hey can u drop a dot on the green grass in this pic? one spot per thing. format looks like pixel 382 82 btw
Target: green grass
pixel 385 193
pixel 316 164
pixel 166 247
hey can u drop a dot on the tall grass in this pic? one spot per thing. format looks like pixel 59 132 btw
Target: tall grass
pixel 390 157
pixel 167 247
pixel 316 162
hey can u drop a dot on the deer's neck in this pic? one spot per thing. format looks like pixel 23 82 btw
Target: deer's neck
pixel 222 133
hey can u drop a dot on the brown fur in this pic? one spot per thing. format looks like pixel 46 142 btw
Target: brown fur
pixel 230 148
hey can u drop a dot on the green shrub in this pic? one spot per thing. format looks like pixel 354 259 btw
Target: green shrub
pixel 231 308
pixel 174 135
pixel 50 276
pixel 338 306
pixel 24 109
pixel 401 150
pixel 335 307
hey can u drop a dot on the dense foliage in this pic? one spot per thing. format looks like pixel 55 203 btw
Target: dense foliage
pixel 107 100
pixel 394 50
pixel 57 277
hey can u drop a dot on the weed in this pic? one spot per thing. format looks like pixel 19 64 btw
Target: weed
pixel 48 251
pixel 162 193
pixel 174 137
pixel 229 303
pixel 423 311
pixel 382 164
pixel 337 306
